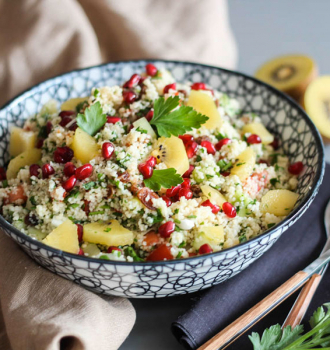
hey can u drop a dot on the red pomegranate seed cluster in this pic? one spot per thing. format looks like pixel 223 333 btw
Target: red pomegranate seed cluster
pixel 198 86
pixel 147 168
pixel 210 148
pixel 205 249
pixel 221 143
pixel 229 209
pixel 63 155
pixel 183 190
pixel 215 208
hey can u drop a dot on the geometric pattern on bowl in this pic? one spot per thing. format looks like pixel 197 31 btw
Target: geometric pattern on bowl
pixel 283 117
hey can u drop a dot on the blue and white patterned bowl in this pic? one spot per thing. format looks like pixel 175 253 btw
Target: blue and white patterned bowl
pixel 298 135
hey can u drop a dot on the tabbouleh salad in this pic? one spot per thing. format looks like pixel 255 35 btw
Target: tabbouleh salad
pixel 150 170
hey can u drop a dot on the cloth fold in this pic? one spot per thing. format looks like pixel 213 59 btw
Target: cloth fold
pixel 43 311
pixel 222 304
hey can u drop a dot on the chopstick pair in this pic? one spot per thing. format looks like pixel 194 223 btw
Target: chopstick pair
pixel 229 334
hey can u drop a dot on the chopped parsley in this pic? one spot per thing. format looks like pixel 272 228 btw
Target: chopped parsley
pixel 92 120
pixel 271 225
pixel 170 120
pixel 165 178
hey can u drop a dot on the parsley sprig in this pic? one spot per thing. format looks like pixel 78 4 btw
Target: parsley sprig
pixel 92 120
pixel 274 338
pixel 163 178
pixel 170 121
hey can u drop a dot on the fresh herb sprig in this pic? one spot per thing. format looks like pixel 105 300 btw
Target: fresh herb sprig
pixel 274 338
pixel 171 121
pixel 92 120
pixel 163 178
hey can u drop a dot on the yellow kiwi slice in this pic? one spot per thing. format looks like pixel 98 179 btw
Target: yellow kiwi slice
pixel 172 152
pixel 316 102
pixel 290 74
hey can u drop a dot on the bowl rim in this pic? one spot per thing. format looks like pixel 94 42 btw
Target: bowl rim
pixel 314 187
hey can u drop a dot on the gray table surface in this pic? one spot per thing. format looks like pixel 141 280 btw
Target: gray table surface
pixel 263 30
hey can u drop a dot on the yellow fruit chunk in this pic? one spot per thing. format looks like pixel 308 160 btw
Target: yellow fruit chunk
pixel 317 104
pixel 204 103
pixel 260 130
pixel 142 125
pixel 108 234
pixel 278 202
pixel 290 74
pixel 21 141
pixel 172 152
pixel 64 237
pixel 26 158
pixel 71 104
pixel 84 146
pixel 246 161
pixel 212 235
pixel 213 195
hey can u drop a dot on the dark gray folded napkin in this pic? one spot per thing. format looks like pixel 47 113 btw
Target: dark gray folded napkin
pixel 219 306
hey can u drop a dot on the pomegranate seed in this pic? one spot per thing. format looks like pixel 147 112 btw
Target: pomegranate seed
pixel 34 170
pixel 47 170
pixel 49 127
pixel 225 173
pixel 296 168
pixel 129 96
pixel 81 252
pixel 67 113
pixel 168 87
pixel 171 192
pixel 3 175
pixel 151 161
pixel 151 69
pixel 275 144
pixel 31 220
pixel 40 143
pixel 167 201
pixel 80 231
pixel 186 138
pixel 65 121
pixel 185 192
pixel 146 170
pixel 86 207
pixel 166 229
pixel 73 126
pixel 198 86
pixel 189 171
pixel 112 248
pixel 69 183
pixel 150 115
pixel 69 169
pixel 205 249
pixel 186 183
pixel 215 208
pixel 63 155
pixel 221 143
pixel 229 209
pixel 107 150
pixel 133 81
pixel 209 147
pixel 253 139
pixel 263 161
pixel 84 172
pixel 113 120
pixel 191 149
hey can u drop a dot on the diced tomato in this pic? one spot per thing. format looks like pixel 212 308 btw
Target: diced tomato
pixel 256 182
pixel 162 252
pixel 151 238
pixel 17 195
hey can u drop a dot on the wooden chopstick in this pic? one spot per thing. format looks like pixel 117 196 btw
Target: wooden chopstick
pixel 225 337
pixel 300 307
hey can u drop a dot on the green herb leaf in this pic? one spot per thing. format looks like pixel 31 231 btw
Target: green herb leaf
pixel 175 122
pixel 89 185
pixel 92 120
pixel 165 178
pixel 131 252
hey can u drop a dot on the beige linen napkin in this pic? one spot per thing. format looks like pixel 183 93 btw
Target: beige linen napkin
pixel 43 311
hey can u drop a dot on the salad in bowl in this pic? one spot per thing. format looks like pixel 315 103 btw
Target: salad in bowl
pixel 149 170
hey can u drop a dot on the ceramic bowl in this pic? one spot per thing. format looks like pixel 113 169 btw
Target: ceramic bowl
pixel 299 137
